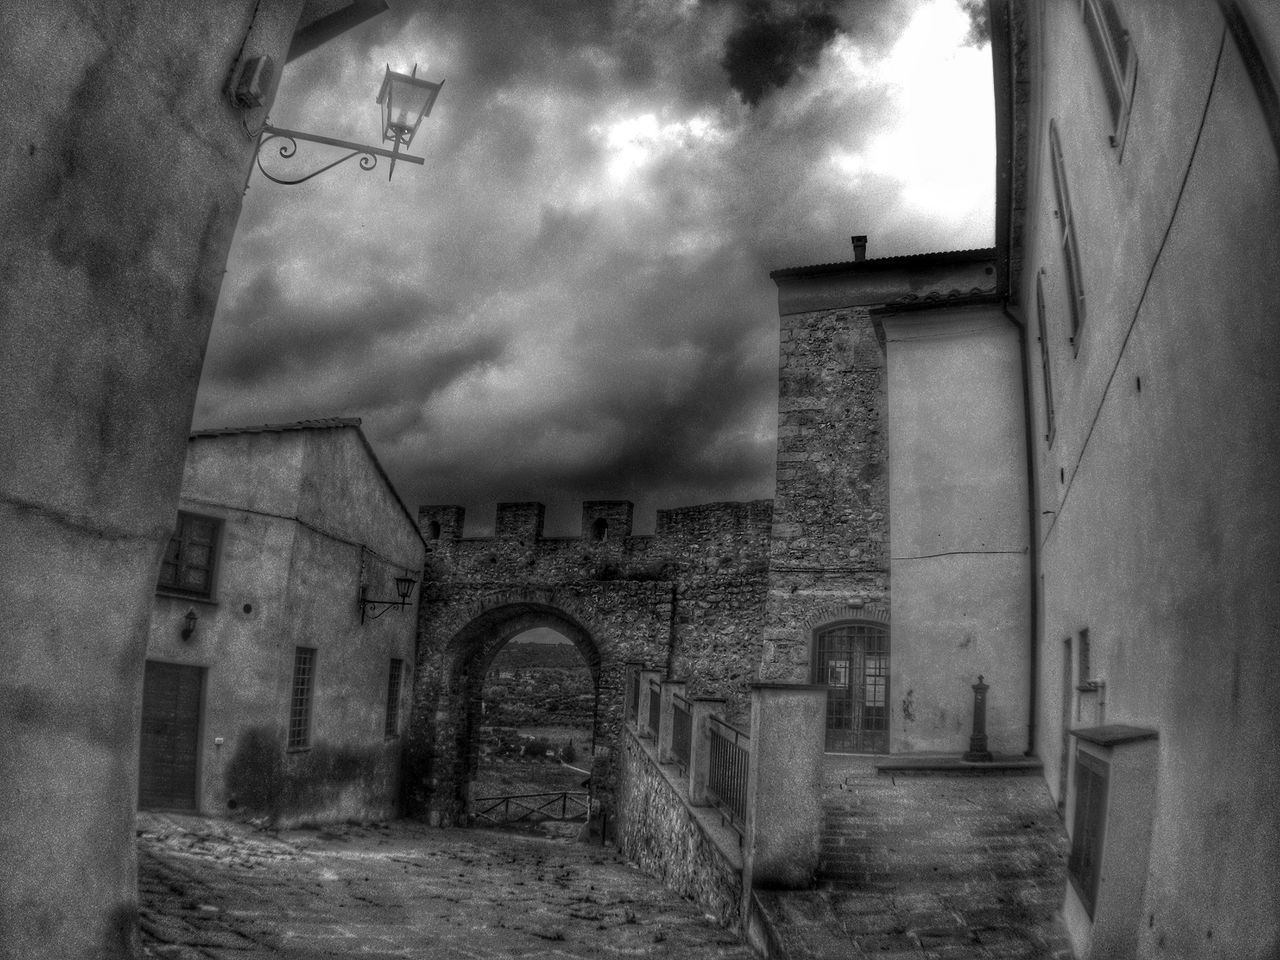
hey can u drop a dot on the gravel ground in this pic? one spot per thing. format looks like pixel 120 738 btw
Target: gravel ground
pixel 212 888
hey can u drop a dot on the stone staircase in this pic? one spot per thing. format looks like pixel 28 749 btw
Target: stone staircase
pixel 934 860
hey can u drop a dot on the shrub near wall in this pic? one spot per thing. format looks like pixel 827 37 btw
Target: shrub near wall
pixel 683 846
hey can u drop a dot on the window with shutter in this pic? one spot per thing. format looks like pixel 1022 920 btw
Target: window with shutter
pixel 190 559
pixel 1067 236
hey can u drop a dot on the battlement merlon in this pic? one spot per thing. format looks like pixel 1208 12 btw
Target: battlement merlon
pixel 441 522
pixel 604 520
pixel 608 521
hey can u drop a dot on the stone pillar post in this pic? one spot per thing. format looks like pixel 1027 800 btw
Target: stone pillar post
pixel 631 676
pixel 784 787
pixel 642 721
pixel 978 752
pixel 699 748
pixel 669 689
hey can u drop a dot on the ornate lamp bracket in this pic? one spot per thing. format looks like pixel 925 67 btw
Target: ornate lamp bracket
pixel 289 147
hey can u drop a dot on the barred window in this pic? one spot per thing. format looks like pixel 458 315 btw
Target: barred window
pixel 189 560
pixel 1117 62
pixel 304 669
pixel 394 680
pixel 1067 236
pixel 1085 862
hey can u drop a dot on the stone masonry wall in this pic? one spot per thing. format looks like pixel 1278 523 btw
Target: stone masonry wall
pixel 660 832
pixel 686 601
pixel 830 543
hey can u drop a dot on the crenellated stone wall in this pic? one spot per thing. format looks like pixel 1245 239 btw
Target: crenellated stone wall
pixel 686 600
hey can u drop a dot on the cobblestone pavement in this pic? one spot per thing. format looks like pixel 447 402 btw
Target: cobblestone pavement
pixel 213 889
pixel 930 866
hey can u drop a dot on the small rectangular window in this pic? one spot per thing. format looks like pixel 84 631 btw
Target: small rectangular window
pixel 1117 62
pixel 1067 236
pixel 394 679
pixel 1044 360
pixel 189 560
pixel 304 669
pixel 1085 862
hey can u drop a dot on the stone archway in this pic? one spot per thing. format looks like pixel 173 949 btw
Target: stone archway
pixel 443 748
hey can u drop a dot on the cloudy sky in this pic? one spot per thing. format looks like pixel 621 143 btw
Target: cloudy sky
pixel 571 299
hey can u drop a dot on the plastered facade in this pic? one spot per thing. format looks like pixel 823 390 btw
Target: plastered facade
pixel 306 517
pixel 1157 495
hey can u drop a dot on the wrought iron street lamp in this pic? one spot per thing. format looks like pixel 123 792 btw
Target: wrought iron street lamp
pixel 405 99
pixel 404 587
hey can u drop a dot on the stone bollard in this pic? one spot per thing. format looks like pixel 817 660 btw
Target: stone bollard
pixel 669 689
pixel 699 749
pixel 784 786
pixel 642 721
pixel 978 752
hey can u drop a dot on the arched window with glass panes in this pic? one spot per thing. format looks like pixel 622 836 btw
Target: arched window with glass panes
pixel 852 660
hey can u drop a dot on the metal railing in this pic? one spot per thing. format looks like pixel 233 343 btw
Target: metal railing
pixel 655 706
pixel 681 731
pixel 572 806
pixel 729 762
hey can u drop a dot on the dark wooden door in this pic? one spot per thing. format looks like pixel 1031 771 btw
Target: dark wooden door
pixel 171 696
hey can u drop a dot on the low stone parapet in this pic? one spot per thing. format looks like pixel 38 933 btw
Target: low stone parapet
pixel 688 848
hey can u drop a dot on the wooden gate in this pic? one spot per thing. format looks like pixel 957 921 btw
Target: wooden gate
pixel 171 697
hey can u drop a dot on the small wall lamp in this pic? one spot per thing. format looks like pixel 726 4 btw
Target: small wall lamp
pixel 405 100
pixel 189 624
pixel 404 587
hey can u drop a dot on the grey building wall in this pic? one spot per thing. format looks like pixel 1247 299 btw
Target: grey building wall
pixel 123 170
pixel 307 517
pixel 902 489
pixel 1158 492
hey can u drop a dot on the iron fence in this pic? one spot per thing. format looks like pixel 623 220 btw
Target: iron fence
pixel 681 731
pixel 729 762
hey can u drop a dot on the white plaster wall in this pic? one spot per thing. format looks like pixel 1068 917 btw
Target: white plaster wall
pixel 958 529
pixel 1160 535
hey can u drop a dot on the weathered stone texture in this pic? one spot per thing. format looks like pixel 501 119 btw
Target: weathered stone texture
pixel 831 517
pixel 686 601
pixel 658 831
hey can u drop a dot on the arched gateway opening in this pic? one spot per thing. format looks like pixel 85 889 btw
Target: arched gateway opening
pixel 451 733
pixel 535 735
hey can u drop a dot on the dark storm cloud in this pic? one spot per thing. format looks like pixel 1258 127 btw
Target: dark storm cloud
pixel 570 298
pixel 771 45
pixel 979 22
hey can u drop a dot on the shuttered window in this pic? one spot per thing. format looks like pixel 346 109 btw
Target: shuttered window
pixel 1085 862
pixel 189 560
pixel 304 670
pixel 1067 236
pixel 1117 63
pixel 1047 378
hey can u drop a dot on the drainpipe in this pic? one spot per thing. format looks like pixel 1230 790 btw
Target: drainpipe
pixel 1033 523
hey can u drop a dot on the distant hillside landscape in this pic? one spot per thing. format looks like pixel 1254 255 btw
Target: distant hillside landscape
pixel 528 656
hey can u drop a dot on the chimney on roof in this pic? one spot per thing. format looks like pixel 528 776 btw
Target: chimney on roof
pixel 859 247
